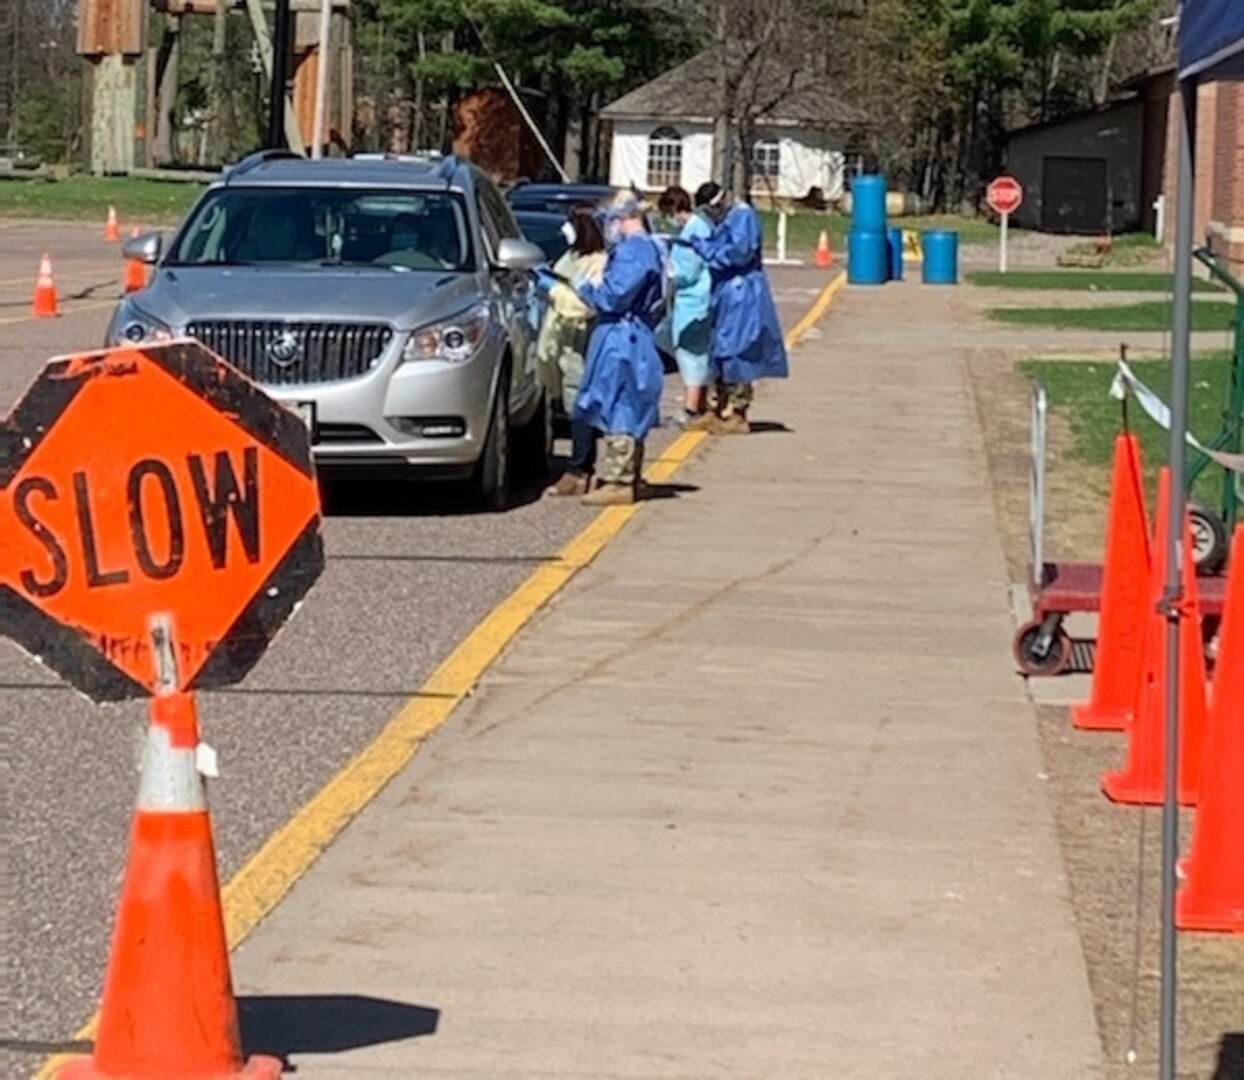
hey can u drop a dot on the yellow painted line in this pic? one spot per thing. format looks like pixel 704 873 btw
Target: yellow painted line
pixel 68 308
pixel 815 312
pixel 261 884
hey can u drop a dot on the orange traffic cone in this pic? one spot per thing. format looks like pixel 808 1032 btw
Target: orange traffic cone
pixel 168 1007
pixel 1125 588
pixel 1141 780
pixel 1213 898
pixel 112 232
pixel 824 257
pixel 135 273
pixel 45 304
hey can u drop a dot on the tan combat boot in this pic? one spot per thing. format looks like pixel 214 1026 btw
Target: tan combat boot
pixel 611 495
pixel 705 421
pixel 734 424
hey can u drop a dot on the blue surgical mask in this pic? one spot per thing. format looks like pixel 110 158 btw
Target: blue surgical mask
pixel 613 233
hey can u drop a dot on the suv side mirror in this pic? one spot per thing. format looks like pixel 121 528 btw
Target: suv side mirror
pixel 145 248
pixel 519 254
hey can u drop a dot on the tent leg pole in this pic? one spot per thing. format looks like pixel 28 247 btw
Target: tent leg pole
pixel 1181 342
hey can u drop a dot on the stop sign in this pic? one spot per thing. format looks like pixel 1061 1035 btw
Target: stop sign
pixel 1004 195
pixel 137 483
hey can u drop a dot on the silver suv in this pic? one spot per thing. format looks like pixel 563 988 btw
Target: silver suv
pixel 388 301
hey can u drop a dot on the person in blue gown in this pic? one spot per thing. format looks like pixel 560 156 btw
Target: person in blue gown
pixel 689 323
pixel 621 390
pixel 747 342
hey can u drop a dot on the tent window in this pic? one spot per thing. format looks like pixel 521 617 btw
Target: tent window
pixel 664 158
pixel 766 161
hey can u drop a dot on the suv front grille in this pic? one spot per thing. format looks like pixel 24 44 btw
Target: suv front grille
pixel 282 353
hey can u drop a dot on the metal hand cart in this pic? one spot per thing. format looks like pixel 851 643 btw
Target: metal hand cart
pixel 1042 645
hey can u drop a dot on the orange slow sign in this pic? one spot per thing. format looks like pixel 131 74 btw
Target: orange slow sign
pixel 145 482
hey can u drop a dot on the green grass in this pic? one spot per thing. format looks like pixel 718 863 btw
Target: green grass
pixel 1128 249
pixel 1087 280
pixel 803 228
pixel 87 198
pixel 1079 390
pixel 1148 315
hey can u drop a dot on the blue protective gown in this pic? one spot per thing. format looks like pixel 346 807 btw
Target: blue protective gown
pixel 621 389
pixel 747 338
pixel 691 324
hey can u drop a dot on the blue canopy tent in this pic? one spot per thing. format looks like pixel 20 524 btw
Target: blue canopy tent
pixel 1211 45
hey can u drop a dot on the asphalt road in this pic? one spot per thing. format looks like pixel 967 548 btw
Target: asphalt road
pixel 410 571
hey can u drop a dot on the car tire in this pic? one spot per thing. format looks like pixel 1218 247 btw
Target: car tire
pixel 534 448
pixel 491 483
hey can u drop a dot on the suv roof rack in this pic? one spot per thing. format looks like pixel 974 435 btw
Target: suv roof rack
pixel 442 166
pixel 260 157
pixel 424 157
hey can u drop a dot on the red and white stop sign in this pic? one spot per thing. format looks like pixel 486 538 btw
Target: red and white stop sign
pixel 1004 195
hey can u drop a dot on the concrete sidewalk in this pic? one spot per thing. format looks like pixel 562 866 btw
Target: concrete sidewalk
pixel 758 796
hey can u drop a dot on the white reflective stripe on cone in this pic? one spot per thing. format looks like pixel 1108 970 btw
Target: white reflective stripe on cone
pixel 170 780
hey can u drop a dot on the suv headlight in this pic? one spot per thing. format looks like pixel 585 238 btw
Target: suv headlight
pixel 133 326
pixel 455 339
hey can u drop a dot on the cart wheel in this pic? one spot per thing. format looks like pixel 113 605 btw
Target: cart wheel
pixel 1209 538
pixel 1056 658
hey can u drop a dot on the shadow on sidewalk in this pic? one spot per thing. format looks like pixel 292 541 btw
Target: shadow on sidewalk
pixel 1230 1057
pixel 669 491
pixel 770 427
pixel 328 1024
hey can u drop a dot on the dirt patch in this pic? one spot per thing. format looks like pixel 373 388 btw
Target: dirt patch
pixel 1101 842
pixel 1102 849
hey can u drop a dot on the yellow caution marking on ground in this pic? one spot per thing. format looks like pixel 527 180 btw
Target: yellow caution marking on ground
pixel 257 888
pixel 814 313
pixel 68 308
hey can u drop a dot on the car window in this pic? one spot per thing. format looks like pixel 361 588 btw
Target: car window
pixel 546 231
pixel 496 208
pixel 252 226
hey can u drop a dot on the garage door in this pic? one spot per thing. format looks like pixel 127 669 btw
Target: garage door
pixel 1075 195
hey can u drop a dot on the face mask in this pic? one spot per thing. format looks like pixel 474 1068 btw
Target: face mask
pixel 613 233
pixel 568 232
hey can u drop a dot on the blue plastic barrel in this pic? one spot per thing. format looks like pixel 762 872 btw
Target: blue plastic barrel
pixel 868 257
pixel 941 257
pixel 894 238
pixel 868 203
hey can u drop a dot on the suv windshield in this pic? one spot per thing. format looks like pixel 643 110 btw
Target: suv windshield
pixel 252 226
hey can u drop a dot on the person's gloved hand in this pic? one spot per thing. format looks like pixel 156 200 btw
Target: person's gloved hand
pixel 545 279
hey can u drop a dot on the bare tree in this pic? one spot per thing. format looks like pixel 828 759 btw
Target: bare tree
pixel 760 48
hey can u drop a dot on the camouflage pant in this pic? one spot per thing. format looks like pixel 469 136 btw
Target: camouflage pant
pixel 623 460
pixel 733 397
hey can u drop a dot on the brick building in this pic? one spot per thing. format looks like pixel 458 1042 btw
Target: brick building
pixel 1219 209
pixel 1218 214
pixel 1104 170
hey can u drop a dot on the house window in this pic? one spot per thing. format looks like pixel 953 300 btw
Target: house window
pixel 766 162
pixel 853 159
pixel 664 158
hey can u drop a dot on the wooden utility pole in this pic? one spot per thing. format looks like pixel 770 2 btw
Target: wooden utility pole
pixel 220 40
pixel 263 39
pixel 166 91
pixel 111 35
pixel 278 85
